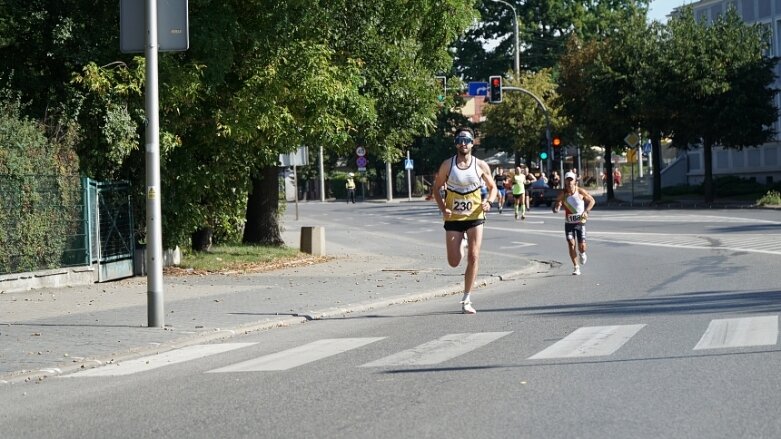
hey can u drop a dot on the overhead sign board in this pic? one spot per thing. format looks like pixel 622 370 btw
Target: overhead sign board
pixel 478 89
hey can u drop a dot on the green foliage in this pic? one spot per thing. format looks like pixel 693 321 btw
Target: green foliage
pixel 545 26
pixel 771 198
pixel 37 212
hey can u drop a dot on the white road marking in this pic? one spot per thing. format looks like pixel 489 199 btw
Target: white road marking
pixel 439 350
pixel 298 356
pixel 159 360
pixel 740 332
pixel 518 244
pixel 591 341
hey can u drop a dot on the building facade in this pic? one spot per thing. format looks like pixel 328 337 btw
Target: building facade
pixel 763 163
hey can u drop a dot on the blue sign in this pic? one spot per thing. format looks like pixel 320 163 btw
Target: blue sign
pixel 478 89
pixel 646 147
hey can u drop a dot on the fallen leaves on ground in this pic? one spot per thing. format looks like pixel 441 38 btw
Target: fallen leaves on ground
pixel 250 267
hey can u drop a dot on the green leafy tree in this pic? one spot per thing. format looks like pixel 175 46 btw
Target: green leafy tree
pixel 544 27
pixel 723 83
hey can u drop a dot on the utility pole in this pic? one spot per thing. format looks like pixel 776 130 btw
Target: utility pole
pixel 154 229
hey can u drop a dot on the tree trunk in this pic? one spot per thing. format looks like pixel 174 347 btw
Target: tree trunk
pixel 262 227
pixel 201 239
pixel 707 158
pixel 656 165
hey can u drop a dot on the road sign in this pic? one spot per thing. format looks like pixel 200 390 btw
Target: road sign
pixel 631 155
pixel 172 26
pixel 360 151
pixel 477 89
pixel 298 158
pixel 361 162
pixel 408 165
pixel 632 140
pixel 646 147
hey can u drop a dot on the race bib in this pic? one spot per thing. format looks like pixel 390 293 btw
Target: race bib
pixel 462 206
pixel 575 218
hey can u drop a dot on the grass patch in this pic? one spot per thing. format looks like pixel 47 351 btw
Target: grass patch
pixel 241 259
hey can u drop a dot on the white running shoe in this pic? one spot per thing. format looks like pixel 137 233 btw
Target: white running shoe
pixel 583 259
pixel 466 307
pixel 576 271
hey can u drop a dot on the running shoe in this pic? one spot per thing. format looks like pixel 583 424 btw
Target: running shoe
pixel 516 215
pixel 576 271
pixel 466 307
pixel 583 259
pixel 523 217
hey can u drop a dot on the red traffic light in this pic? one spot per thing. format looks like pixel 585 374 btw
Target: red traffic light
pixel 556 141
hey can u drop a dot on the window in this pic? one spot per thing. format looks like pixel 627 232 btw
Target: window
pixel 771 156
pixel 747 10
pixel 715 12
pixel 722 159
pixel 738 159
pixel 763 9
pixel 753 157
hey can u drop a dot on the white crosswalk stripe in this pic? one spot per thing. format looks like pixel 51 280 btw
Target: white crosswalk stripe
pixel 438 351
pixel 159 360
pixel 740 332
pixel 298 356
pixel 591 341
pixel 584 342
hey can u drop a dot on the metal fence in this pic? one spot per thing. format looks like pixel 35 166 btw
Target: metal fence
pixel 49 222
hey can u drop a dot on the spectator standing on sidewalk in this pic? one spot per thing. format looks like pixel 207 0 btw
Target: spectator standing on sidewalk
pixel 463 209
pixel 350 185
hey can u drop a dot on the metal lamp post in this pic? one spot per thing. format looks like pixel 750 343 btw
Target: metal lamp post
pixel 515 29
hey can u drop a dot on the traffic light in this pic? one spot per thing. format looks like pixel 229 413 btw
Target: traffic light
pixel 556 143
pixel 494 89
pixel 543 155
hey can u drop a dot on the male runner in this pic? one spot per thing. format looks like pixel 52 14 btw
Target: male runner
pixel 499 179
pixel 577 204
pixel 463 209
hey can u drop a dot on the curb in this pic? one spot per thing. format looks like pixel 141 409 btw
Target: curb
pixel 533 266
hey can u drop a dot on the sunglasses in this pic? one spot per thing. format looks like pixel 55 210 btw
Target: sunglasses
pixel 463 140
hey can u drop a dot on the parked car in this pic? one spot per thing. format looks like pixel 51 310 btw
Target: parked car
pixel 545 196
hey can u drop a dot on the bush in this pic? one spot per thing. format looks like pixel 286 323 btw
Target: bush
pixel 771 198
pixel 35 216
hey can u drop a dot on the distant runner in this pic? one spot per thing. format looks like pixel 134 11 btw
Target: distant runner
pixel 577 204
pixel 500 178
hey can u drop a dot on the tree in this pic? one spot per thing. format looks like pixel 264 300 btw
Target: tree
pixel 544 27
pixel 723 83
pixel 594 96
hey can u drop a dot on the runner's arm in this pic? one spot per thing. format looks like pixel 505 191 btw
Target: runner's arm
pixel 439 181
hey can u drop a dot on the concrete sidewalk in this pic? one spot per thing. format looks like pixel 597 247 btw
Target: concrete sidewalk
pixel 48 332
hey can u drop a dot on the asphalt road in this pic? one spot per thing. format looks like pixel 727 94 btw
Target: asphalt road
pixel 671 331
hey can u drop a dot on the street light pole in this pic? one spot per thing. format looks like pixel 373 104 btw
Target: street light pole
pixel 515 29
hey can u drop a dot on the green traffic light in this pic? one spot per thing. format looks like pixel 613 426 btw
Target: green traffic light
pixel 544 156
